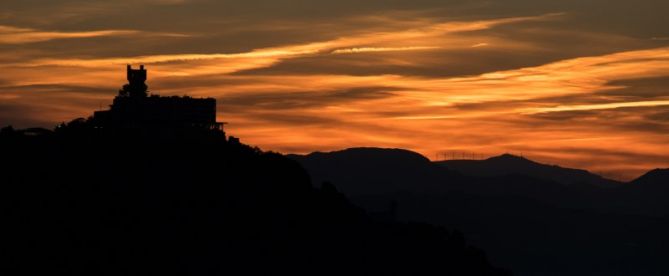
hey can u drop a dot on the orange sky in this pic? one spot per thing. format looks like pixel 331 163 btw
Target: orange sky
pixel 550 81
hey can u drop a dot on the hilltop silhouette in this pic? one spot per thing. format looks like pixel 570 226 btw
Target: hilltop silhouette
pixel 538 219
pixel 155 186
pixel 647 194
pixel 127 193
pixel 655 179
pixel 134 109
pixel 362 171
pixel 508 164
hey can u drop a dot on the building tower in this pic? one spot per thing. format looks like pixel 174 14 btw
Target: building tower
pixel 133 108
pixel 136 87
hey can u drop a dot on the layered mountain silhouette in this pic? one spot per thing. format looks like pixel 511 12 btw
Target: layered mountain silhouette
pixel 510 164
pixel 132 191
pixel 539 219
pixel 81 201
pixel 154 186
pixel 362 171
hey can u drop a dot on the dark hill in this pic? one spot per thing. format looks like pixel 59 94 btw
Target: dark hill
pixel 646 194
pixel 80 201
pixel 655 179
pixel 373 171
pixel 359 171
pixel 509 164
pixel 536 225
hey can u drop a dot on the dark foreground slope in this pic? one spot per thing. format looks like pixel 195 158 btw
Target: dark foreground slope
pixel 531 223
pixel 79 202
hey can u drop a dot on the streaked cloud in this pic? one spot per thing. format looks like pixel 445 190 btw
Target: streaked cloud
pixel 563 108
pixel 553 81
pixel 382 49
pixel 483 44
pixel 14 35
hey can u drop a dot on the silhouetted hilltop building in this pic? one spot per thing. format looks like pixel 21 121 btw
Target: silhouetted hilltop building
pixel 134 108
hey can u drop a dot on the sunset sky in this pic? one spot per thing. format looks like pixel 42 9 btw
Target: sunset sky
pixel 578 83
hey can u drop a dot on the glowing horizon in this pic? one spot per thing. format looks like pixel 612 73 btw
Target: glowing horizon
pixel 549 83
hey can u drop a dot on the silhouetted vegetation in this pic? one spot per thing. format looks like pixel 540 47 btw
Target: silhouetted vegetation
pixel 88 201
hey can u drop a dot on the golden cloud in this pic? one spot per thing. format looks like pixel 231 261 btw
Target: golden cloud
pixel 14 35
pixel 490 113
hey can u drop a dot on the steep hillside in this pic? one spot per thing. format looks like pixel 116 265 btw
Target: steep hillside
pixel 84 202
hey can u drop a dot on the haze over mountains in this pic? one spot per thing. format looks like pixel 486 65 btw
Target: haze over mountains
pixel 539 219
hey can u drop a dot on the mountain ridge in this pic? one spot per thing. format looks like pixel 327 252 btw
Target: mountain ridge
pixel 537 225
pixel 653 177
pixel 81 201
pixel 381 169
pixel 511 164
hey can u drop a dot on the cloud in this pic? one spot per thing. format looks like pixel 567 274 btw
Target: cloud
pixel 638 88
pixel 564 108
pixel 426 75
pixel 14 35
pixel 382 49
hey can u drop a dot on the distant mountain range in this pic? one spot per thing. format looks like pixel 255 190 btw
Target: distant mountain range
pixel 510 164
pixel 540 219
pixel 377 170
pixel 372 170
pixel 81 200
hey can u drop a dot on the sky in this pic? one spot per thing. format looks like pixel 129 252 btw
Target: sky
pixel 576 83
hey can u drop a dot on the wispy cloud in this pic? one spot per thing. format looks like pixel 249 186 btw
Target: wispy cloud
pixel 16 35
pixel 587 107
pixel 382 49
pixel 410 80
pixel 478 45
pixel 226 63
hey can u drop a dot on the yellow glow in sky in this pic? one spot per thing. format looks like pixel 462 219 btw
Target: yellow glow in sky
pixel 536 85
